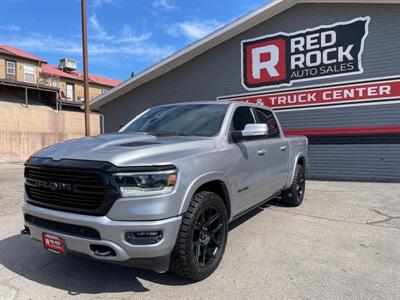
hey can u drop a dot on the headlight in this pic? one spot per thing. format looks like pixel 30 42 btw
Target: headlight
pixel 146 183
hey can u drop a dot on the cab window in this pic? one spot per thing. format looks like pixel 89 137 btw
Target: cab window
pixel 266 117
pixel 241 117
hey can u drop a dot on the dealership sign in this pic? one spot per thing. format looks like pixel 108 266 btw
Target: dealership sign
pixel 359 92
pixel 321 52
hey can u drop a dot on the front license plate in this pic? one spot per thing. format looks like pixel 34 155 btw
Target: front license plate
pixel 53 243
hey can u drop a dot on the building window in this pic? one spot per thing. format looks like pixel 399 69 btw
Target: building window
pixel 10 67
pixel 104 91
pixel 29 73
pixel 70 92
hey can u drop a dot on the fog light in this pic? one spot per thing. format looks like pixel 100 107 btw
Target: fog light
pixel 143 237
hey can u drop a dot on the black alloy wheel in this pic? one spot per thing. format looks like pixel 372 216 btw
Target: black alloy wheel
pixel 294 195
pixel 208 236
pixel 300 185
pixel 202 237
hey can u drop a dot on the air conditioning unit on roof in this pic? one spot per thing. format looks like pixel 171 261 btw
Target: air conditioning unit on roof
pixel 67 64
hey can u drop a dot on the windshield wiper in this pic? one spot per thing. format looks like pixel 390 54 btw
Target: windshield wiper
pixel 162 133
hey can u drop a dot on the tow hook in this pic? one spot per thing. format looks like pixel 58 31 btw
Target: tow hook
pixel 26 231
pixel 102 250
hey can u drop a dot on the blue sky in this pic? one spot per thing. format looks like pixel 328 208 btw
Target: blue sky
pixel 124 35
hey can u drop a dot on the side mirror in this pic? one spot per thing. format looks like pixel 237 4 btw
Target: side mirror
pixel 251 131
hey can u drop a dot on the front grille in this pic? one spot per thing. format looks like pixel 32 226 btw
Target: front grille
pixel 70 229
pixel 71 189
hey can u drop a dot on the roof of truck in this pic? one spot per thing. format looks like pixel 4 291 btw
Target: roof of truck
pixel 219 102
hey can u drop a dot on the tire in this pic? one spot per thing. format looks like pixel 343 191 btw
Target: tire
pixel 202 237
pixel 294 195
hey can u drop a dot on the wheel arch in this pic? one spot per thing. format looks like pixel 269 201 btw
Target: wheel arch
pixel 301 159
pixel 216 183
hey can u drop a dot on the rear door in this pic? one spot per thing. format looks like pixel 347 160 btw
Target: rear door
pixel 277 155
pixel 248 163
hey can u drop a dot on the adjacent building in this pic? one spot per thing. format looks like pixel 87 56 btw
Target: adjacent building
pixel 34 80
pixel 40 104
pixel 329 68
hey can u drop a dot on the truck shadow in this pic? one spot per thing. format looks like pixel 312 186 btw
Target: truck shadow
pixel 77 275
pixel 242 219
pixel 255 211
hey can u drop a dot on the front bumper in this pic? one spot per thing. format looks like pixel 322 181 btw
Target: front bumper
pixel 111 234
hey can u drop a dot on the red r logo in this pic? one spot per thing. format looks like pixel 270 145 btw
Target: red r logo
pixel 264 62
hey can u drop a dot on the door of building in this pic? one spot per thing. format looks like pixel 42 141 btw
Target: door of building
pixel 70 92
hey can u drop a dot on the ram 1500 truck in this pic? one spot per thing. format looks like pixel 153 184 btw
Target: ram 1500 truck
pixel 160 193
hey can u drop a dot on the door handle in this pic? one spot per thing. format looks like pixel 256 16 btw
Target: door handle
pixel 283 148
pixel 261 151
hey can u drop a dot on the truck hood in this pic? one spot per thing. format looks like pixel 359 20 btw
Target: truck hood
pixel 128 149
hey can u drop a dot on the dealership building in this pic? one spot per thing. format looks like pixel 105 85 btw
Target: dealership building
pixel 329 69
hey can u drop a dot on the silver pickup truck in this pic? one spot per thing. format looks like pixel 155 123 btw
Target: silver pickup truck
pixel 160 193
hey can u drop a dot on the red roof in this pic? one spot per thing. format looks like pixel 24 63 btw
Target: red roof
pixel 76 75
pixel 53 70
pixel 20 53
pixel 101 80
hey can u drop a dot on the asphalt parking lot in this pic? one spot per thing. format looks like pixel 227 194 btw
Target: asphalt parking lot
pixel 342 243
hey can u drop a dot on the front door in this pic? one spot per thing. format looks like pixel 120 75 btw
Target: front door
pixel 277 152
pixel 248 164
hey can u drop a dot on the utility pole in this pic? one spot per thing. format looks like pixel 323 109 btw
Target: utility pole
pixel 85 68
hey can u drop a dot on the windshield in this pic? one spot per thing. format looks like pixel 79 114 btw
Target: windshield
pixel 191 119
